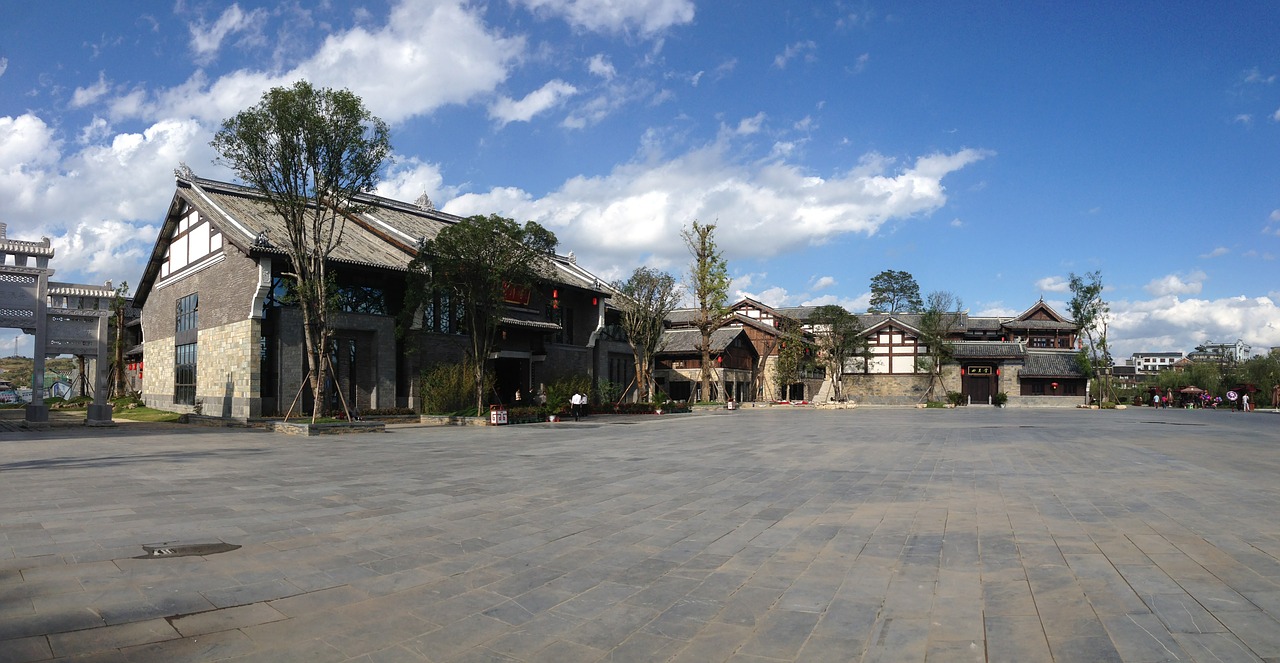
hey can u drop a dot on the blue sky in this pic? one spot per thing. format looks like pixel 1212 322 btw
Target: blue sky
pixel 990 149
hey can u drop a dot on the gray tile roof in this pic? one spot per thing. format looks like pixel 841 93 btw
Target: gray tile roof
pixel 987 350
pixel 1050 364
pixel 385 235
pixel 685 341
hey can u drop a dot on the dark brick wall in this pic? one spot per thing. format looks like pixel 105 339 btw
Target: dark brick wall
pixel 226 295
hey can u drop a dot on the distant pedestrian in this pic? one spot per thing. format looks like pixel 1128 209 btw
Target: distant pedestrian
pixel 575 405
pixel 1244 402
pixel 1155 401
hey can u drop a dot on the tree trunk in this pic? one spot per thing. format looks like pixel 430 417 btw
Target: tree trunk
pixel 706 365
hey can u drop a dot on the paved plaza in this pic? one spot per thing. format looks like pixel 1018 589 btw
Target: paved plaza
pixel 977 534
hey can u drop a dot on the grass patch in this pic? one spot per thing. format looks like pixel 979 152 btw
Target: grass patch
pixel 146 414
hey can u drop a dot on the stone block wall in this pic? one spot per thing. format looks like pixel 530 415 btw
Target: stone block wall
pixel 157 374
pixel 228 376
pixel 227 372
pixel 886 389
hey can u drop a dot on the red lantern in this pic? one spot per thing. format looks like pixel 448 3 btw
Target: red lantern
pixel 1054 385
pixel 962 370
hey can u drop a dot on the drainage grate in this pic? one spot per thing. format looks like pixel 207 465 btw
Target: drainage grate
pixel 167 550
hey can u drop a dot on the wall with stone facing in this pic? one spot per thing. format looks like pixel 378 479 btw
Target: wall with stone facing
pixel 227 372
pixel 228 376
pixel 157 375
pixel 886 389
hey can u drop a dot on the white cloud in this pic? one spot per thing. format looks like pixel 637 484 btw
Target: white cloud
pixel 426 56
pixel 600 66
pixel 1244 118
pixel 800 49
pixel 648 17
pixel 1053 284
pixel 4 65
pixel 750 125
pixel 823 282
pixel 857 304
pixel 83 96
pixel 410 177
pixel 1216 253
pixel 1276 115
pixel 1255 76
pixel 1171 323
pixel 860 65
pixel 87 201
pixel 207 39
pixel 1175 284
pixel 637 208
pixel 506 110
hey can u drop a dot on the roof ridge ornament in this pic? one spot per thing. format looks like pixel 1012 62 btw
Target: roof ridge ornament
pixel 423 202
pixel 184 172
pixel 262 240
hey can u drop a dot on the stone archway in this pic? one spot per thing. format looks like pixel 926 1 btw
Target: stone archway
pixel 65 318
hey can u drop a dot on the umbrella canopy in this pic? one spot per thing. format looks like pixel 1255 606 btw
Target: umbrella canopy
pixel 1191 390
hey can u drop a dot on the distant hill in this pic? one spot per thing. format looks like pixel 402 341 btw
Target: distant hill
pixel 18 369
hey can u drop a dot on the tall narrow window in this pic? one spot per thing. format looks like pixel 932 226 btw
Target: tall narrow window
pixel 186 326
pixel 184 374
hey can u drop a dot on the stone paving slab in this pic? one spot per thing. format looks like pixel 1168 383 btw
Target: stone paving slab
pixel 974 534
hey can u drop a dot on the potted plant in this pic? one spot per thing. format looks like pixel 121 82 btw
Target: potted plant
pixel 1000 399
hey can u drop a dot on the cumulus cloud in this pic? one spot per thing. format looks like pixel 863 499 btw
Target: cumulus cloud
pixel 1176 284
pixel 1170 323
pixel 427 55
pixel 1053 284
pixel 822 283
pixel 647 17
pixel 83 96
pixel 750 125
pixel 506 110
pixel 410 177
pixel 600 66
pixel 638 207
pixel 1216 253
pixel 801 49
pixel 207 39
pixel 89 201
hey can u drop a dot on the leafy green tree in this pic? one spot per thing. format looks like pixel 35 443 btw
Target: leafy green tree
pixel 119 306
pixel 894 292
pixel 309 152
pixel 790 361
pixel 838 336
pixel 940 317
pixel 1092 314
pixel 647 297
pixel 708 281
pixel 474 261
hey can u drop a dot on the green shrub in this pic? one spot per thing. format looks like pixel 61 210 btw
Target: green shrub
pixel 955 398
pixel 935 404
pixel 450 389
pixel 1000 398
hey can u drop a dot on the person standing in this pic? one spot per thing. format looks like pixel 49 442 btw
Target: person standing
pixel 575 405
pixel 1244 402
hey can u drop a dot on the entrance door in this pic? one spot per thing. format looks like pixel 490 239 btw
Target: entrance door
pixel 979 384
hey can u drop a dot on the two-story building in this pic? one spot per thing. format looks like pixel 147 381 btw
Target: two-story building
pixel 220 332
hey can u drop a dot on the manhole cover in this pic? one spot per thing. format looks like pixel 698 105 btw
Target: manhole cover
pixel 167 550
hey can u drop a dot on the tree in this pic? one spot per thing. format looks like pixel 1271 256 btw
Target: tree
pixel 894 292
pixel 309 152
pixel 708 280
pixel 1092 314
pixel 941 315
pixel 786 370
pixel 839 338
pixel 647 297
pixel 119 305
pixel 475 262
